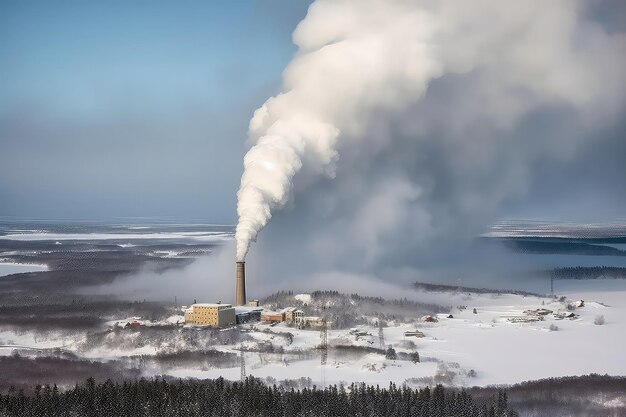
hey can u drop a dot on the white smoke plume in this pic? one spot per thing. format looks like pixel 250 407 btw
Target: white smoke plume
pixel 362 69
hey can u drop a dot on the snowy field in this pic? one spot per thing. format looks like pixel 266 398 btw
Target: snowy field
pixel 497 350
pixel 488 347
pixel 47 236
pixel 7 268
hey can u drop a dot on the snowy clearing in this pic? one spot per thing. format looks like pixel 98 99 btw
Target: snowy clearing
pixel 199 236
pixel 509 339
pixel 7 268
pixel 497 350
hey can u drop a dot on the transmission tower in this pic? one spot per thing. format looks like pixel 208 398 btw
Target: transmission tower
pixel 324 349
pixel 324 339
pixel 242 360
pixel 381 334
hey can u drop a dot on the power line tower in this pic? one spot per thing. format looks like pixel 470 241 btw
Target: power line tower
pixel 381 334
pixel 324 340
pixel 242 361
pixel 324 349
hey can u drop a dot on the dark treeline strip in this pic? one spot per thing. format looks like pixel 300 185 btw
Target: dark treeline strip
pixel 73 314
pixel 457 288
pixel 576 396
pixel 159 398
pixel 588 272
pixel 61 368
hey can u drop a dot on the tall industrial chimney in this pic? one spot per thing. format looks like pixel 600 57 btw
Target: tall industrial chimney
pixel 240 292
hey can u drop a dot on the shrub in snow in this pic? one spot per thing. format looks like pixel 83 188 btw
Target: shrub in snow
pixel 599 320
pixel 407 344
pixel 554 327
pixel 390 353
pixel 471 373
pixel 444 375
pixel 415 357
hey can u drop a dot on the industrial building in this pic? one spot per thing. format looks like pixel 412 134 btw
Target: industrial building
pixel 292 314
pixel 213 315
pixel 247 314
pixel 272 316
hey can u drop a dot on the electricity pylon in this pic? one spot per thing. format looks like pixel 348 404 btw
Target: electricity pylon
pixel 381 334
pixel 324 348
pixel 242 360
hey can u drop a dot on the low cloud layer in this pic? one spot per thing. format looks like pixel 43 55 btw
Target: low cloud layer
pixel 421 119
pixel 404 127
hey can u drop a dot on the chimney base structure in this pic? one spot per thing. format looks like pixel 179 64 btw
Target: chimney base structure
pixel 240 291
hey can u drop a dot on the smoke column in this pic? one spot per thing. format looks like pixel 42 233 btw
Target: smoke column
pixel 359 60
pixel 329 88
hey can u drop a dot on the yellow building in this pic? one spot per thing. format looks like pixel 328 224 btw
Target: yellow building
pixel 293 315
pixel 214 315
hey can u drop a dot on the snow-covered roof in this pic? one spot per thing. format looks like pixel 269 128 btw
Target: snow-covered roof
pixel 269 312
pixel 291 310
pixel 246 309
pixel 211 305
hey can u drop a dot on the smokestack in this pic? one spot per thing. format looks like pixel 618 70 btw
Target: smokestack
pixel 240 292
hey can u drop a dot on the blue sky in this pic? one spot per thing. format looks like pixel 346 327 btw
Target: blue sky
pixel 140 108
pixel 133 108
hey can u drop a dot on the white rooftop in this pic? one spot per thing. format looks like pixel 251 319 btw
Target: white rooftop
pixel 247 309
pixel 290 309
pixel 267 312
pixel 211 305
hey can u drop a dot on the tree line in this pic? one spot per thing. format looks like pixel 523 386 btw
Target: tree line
pixel 251 397
pixel 588 272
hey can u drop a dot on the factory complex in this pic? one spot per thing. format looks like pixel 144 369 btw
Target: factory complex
pixel 213 315
pixel 219 315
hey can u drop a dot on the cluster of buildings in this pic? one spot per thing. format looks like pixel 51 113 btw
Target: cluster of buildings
pixel 225 315
pixel 292 315
pixel 220 315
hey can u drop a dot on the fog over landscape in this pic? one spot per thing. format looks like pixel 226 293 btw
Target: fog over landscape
pixel 421 144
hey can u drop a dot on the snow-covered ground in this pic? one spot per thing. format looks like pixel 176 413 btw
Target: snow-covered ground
pixel 8 268
pixel 497 350
pixel 47 236
pixel 481 348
